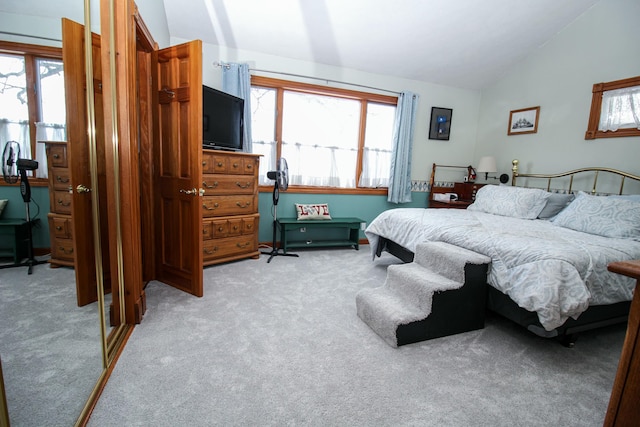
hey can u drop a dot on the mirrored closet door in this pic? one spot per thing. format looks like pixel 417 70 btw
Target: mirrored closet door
pixel 63 324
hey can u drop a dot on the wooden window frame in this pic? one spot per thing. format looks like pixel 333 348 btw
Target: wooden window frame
pixel 364 97
pixel 31 53
pixel 596 107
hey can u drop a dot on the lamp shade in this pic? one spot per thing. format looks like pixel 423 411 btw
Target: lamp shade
pixel 487 164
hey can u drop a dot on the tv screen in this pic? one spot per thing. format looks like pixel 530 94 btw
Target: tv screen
pixel 222 120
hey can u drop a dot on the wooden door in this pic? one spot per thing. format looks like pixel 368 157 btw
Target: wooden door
pixel 177 73
pixel 73 54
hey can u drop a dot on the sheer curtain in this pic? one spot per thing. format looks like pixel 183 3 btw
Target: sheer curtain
pixel 17 131
pixel 400 176
pixel 620 109
pixel 236 80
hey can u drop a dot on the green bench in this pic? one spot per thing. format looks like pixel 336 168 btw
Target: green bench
pixel 350 225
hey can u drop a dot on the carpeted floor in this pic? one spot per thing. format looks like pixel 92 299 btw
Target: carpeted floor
pixel 50 347
pixel 280 344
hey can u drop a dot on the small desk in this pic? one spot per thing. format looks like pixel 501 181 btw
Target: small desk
pixel 352 225
pixel 18 229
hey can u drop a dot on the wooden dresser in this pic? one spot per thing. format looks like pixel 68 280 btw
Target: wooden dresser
pixel 230 215
pixel 60 226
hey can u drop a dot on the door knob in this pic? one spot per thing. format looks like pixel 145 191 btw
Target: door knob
pixel 82 189
pixel 191 192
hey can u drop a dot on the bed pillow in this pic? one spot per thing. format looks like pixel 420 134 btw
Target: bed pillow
pixel 315 211
pixel 632 197
pixel 517 202
pixel 3 203
pixel 555 203
pixel 602 216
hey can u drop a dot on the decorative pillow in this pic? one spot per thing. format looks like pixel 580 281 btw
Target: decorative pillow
pixel 517 202
pixel 555 203
pixel 3 203
pixel 316 211
pixel 602 215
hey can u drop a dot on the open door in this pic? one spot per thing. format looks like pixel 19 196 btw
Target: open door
pixel 177 83
pixel 73 54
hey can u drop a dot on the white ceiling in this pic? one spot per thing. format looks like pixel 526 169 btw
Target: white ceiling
pixel 459 43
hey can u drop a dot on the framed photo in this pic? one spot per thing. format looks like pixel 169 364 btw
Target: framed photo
pixel 523 121
pixel 440 126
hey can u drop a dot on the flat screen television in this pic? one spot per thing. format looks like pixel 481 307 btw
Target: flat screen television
pixel 222 120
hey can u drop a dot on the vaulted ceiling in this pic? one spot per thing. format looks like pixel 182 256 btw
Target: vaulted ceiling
pixel 460 43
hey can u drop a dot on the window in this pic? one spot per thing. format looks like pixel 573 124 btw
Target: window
pixel 331 138
pixel 615 109
pixel 32 103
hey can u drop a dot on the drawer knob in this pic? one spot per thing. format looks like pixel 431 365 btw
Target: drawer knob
pixel 63 250
pixel 204 163
pixel 243 245
pixel 235 165
pixel 211 251
pixel 220 228
pixel 62 179
pixel 63 203
pixel 58 227
pixel 220 164
pixel 56 156
pixel 247 185
pixel 214 185
pixel 235 227
pixel 245 205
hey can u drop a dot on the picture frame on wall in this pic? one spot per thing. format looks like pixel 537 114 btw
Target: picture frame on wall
pixel 523 121
pixel 440 126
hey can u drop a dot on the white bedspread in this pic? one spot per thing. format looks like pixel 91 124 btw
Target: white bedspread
pixel 550 270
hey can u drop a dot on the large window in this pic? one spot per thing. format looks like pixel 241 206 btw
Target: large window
pixel 331 138
pixel 615 109
pixel 32 103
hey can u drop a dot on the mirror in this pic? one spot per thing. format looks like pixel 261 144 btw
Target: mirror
pixel 54 352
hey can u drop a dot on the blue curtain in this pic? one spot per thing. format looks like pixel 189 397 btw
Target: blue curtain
pixel 400 175
pixel 236 80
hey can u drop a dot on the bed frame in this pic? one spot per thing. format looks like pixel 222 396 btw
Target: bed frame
pixel 595 316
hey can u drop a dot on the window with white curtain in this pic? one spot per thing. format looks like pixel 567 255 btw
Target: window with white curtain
pixel 330 137
pixel 32 101
pixel 615 109
pixel 620 109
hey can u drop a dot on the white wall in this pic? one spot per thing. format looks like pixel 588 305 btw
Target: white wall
pixel 155 18
pixel 465 103
pixel 601 45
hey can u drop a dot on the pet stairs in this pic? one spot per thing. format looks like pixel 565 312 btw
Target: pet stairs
pixel 442 292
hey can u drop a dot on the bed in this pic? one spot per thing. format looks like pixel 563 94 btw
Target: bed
pixel 549 243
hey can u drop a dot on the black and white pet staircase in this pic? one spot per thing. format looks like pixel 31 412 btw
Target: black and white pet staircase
pixel 442 292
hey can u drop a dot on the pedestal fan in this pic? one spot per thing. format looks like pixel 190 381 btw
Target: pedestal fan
pixel 281 183
pixel 12 168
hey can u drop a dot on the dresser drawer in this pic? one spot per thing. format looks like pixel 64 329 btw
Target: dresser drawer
pixel 57 155
pixel 228 184
pixel 231 226
pixel 62 249
pixel 60 226
pixel 229 246
pixel 229 205
pixel 61 202
pixel 60 178
pixel 228 164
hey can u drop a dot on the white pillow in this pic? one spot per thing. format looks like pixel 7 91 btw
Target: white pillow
pixel 602 216
pixel 315 211
pixel 517 202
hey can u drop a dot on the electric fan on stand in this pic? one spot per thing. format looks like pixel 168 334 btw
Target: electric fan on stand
pixel 281 183
pixel 12 168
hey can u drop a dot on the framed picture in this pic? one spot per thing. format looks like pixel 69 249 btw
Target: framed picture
pixel 440 123
pixel 523 121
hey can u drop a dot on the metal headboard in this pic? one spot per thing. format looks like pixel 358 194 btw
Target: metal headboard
pixel 515 174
